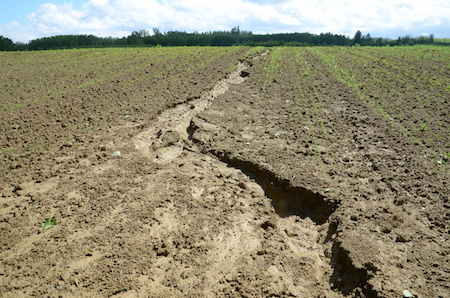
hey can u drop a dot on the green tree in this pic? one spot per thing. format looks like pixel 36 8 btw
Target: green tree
pixel 157 32
pixel 136 38
pixel 367 40
pixel 6 44
pixel 236 31
pixel 357 38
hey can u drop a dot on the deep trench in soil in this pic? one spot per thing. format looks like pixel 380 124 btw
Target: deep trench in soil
pixel 287 199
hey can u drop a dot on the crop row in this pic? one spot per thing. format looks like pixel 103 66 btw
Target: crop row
pixel 409 86
pixel 291 81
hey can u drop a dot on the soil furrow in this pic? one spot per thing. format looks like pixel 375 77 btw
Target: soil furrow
pixel 302 216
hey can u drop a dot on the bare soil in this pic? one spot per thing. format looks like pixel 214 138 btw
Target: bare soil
pixel 226 186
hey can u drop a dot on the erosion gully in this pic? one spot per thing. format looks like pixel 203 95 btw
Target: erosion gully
pixel 173 134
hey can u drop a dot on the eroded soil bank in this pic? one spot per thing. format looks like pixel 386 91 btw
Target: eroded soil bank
pixel 234 192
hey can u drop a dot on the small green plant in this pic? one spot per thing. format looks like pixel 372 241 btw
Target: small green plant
pixel 49 223
pixel 423 127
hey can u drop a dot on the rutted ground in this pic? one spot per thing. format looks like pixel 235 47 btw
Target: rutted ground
pixel 277 181
pixel 390 230
pixel 243 252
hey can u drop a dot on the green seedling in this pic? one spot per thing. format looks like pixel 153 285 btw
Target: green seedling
pixel 49 223
pixel 423 127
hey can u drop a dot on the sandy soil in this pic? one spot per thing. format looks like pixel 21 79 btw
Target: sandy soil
pixel 230 189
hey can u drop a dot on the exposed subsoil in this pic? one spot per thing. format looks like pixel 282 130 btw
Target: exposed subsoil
pixel 229 194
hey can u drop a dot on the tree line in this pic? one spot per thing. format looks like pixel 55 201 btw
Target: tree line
pixel 213 38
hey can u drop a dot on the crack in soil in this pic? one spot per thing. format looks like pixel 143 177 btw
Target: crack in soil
pixel 346 277
pixel 287 199
pixel 168 137
pixel 301 211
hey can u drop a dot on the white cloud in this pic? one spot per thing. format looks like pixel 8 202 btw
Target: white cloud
pixel 351 15
pixel 120 17
pixel 219 14
pixel 17 31
pixel 59 19
pixel 97 16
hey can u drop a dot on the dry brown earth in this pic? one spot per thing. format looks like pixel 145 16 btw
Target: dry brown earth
pixel 247 181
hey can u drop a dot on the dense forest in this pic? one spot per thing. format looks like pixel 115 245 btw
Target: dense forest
pixel 214 38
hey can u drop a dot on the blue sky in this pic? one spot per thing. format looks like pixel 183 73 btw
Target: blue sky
pixel 24 20
pixel 19 10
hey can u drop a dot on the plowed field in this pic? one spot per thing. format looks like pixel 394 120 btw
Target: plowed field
pixel 225 172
